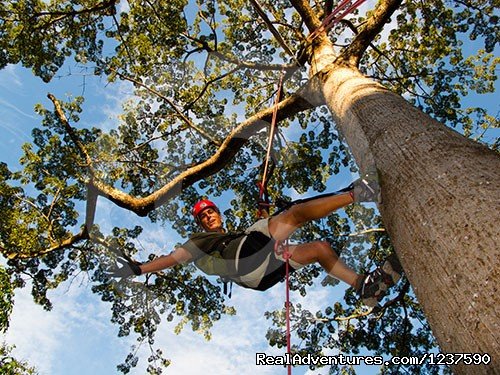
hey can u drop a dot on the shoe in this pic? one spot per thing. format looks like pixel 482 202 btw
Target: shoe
pixel 376 283
pixel 393 268
pixel 367 188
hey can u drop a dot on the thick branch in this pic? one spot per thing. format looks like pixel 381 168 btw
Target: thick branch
pixel 68 242
pixel 307 14
pixel 231 145
pixel 373 26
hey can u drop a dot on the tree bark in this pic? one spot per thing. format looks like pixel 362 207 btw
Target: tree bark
pixel 440 206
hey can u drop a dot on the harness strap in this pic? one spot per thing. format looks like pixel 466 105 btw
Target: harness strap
pixel 225 287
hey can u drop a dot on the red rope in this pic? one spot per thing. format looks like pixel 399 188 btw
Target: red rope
pixel 263 184
pixel 282 248
pixel 286 256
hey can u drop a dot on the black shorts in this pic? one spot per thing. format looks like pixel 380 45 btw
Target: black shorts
pixel 257 251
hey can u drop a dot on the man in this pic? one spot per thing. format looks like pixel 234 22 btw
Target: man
pixel 249 258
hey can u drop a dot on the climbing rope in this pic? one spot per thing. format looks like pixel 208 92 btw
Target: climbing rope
pixel 282 248
pixel 264 203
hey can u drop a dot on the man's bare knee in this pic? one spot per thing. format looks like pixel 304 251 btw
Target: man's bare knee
pixel 325 248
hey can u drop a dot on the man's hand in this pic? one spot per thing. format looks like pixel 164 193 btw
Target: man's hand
pixel 129 268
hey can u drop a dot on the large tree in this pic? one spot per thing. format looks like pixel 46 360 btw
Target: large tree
pixel 382 89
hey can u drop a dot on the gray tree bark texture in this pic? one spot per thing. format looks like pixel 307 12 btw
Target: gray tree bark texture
pixel 441 204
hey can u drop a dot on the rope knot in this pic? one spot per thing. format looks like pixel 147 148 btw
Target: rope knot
pixel 281 249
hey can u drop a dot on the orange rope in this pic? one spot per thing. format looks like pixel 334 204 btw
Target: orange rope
pixel 272 132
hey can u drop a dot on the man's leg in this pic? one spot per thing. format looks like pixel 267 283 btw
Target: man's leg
pixel 365 189
pixel 283 225
pixel 321 252
pixel 371 287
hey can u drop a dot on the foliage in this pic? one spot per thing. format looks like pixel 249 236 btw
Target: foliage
pixel 425 58
pixel 8 364
pixel 12 366
pixel 6 299
pixel 199 68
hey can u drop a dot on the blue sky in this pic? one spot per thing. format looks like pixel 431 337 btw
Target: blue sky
pixel 76 337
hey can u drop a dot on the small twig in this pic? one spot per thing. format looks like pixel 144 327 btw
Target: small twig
pixel 183 117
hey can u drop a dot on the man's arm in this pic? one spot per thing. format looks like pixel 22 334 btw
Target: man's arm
pixel 179 255
pixel 131 267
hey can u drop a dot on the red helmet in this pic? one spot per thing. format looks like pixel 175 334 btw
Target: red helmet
pixel 201 205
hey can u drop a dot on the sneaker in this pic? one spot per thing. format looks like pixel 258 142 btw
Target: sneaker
pixel 367 188
pixel 393 268
pixel 376 283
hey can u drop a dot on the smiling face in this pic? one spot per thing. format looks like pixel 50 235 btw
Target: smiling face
pixel 211 220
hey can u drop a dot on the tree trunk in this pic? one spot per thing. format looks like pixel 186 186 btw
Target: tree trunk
pixel 440 207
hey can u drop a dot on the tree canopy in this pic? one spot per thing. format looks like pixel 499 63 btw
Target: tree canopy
pixel 204 77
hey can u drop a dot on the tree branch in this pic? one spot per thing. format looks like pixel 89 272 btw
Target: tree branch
pixel 240 63
pixel 226 152
pixel 373 26
pixel 62 117
pixel 68 242
pixel 63 14
pixel 270 26
pixel 307 14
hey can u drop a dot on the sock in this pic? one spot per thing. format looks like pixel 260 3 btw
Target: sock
pixel 342 272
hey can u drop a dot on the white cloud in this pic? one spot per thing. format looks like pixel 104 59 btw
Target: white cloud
pixel 235 340
pixel 75 337
pixel 13 108
pixel 35 333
